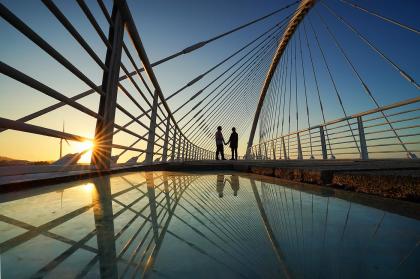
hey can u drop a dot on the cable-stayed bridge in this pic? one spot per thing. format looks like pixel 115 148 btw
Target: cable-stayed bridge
pixel 322 92
pixel 289 90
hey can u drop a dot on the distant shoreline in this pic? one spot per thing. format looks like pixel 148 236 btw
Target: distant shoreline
pixel 6 161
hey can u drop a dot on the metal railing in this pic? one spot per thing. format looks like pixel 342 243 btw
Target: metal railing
pixel 161 138
pixel 391 131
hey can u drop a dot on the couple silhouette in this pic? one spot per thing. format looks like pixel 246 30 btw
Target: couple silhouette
pixel 221 181
pixel 233 144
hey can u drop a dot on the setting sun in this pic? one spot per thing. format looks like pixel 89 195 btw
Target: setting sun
pixel 88 187
pixel 83 146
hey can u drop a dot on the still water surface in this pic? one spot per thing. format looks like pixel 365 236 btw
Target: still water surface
pixel 201 225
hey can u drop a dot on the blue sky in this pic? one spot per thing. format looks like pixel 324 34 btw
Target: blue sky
pixel 169 26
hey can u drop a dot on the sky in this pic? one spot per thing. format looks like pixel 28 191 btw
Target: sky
pixel 169 26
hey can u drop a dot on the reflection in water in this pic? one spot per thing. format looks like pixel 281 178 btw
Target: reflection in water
pixel 104 224
pixel 173 225
pixel 220 184
pixel 234 183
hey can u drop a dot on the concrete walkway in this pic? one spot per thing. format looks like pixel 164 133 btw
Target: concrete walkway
pixel 389 178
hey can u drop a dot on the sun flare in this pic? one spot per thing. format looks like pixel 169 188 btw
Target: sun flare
pixel 84 146
pixel 88 187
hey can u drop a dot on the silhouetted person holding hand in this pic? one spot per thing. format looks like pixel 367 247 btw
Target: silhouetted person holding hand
pixel 234 183
pixel 219 143
pixel 220 184
pixel 233 140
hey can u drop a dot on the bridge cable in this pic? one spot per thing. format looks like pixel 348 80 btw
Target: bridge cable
pixel 275 91
pixel 215 100
pixel 374 48
pixel 286 59
pixel 404 26
pixel 213 105
pixel 279 83
pixel 219 64
pixel 208 85
pixel 305 91
pixel 232 112
pixel 317 89
pixel 363 84
pixel 334 85
pixel 161 121
pixel 246 80
pixel 90 17
pixel 203 43
pixel 282 96
pixel 290 98
pixel 272 90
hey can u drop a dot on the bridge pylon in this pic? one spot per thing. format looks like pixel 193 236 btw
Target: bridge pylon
pixel 301 11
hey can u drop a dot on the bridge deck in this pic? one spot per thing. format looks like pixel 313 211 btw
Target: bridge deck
pixel 389 178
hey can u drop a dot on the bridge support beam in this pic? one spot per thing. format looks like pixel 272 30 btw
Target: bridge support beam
pixel 101 155
pixel 152 129
pixel 300 13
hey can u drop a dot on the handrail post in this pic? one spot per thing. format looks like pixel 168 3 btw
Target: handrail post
pixel 101 155
pixel 274 149
pixel 165 143
pixel 364 155
pixel 178 154
pixel 284 148
pixel 300 154
pixel 192 151
pixel 152 130
pixel 173 145
pixel 187 151
pixel 323 143
pixel 183 149
pixel 265 150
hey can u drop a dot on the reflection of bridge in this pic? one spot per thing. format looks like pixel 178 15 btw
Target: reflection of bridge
pixel 117 226
pixel 290 61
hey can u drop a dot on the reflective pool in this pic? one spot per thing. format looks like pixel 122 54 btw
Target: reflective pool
pixel 204 225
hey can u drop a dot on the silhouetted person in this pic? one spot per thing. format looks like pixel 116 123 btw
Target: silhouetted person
pixel 233 140
pixel 219 144
pixel 220 184
pixel 234 183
